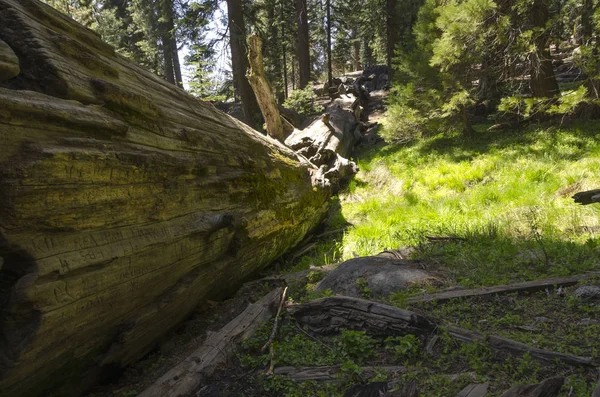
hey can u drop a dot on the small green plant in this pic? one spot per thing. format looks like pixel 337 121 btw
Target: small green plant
pixel 303 102
pixel 315 276
pixel 404 347
pixel 357 344
pixel 363 287
pixel 130 393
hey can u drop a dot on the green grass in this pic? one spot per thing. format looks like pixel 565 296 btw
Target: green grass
pixel 506 193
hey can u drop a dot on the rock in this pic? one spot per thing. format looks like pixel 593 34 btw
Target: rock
pixel 9 63
pixel 375 276
pixel 124 202
pixel 587 292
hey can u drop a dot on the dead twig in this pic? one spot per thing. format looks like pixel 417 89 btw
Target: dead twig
pixel 274 333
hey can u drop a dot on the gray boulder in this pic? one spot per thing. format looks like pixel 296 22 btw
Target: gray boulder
pixel 379 276
pixel 588 292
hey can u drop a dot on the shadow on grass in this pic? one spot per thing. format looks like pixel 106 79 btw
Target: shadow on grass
pixel 457 147
pixel 484 259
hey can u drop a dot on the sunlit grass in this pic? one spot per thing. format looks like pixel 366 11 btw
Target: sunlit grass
pixel 507 193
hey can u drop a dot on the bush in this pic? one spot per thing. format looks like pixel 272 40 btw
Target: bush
pixel 303 102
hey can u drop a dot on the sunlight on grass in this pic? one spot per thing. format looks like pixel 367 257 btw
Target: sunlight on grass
pixel 508 194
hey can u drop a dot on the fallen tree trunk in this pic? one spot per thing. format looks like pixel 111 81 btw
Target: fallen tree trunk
pixel 587 197
pixel 123 203
pixel 216 350
pixel 328 142
pixel 330 315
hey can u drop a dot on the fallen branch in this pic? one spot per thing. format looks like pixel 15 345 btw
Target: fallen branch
pixel 275 326
pixel 273 334
pixel 513 347
pixel 303 374
pixel 186 376
pixel 529 286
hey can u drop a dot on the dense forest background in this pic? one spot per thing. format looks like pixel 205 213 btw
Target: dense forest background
pixel 452 60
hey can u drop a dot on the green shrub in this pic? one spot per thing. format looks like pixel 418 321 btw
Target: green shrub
pixel 303 102
pixel 357 345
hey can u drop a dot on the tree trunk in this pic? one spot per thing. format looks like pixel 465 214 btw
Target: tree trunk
pixel 329 68
pixel 262 89
pixel 176 63
pixel 543 81
pixel 172 42
pixel 239 62
pixel 124 202
pixel 356 55
pixel 368 54
pixel 303 43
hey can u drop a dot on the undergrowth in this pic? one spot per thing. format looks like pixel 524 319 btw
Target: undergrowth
pixel 507 195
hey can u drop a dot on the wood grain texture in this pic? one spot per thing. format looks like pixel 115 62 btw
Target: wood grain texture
pixel 123 203
pixel 330 315
pixel 186 376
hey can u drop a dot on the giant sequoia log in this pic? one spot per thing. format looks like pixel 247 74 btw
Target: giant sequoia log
pixel 123 203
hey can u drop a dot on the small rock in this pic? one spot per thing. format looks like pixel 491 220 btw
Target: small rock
pixel 587 292
pixel 541 319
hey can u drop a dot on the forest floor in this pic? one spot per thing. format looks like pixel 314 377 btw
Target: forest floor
pixel 489 210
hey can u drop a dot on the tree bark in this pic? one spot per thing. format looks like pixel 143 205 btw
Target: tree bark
pixel 356 55
pixel 124 202
pixel 262 89
pixel 543 81
pixel 329 68
pixel 239 62
pixel 303 43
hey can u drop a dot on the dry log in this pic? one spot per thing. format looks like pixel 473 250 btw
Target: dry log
pixel 528 286
pixel 548 388
pixel 186 376
pixel 587 197
pixel 329 141
pixel 262 89
pixel 518 348
pixel 330 315
pixel 123 203
pixel 327 374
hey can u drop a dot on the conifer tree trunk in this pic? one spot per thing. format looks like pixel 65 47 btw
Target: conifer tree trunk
pixel 543 81
pixel 329 68
pixel 356 55
pixel 303 43
pixel 239 62
pixel 284 53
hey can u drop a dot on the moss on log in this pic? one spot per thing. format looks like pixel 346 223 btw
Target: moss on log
pixel 123 203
